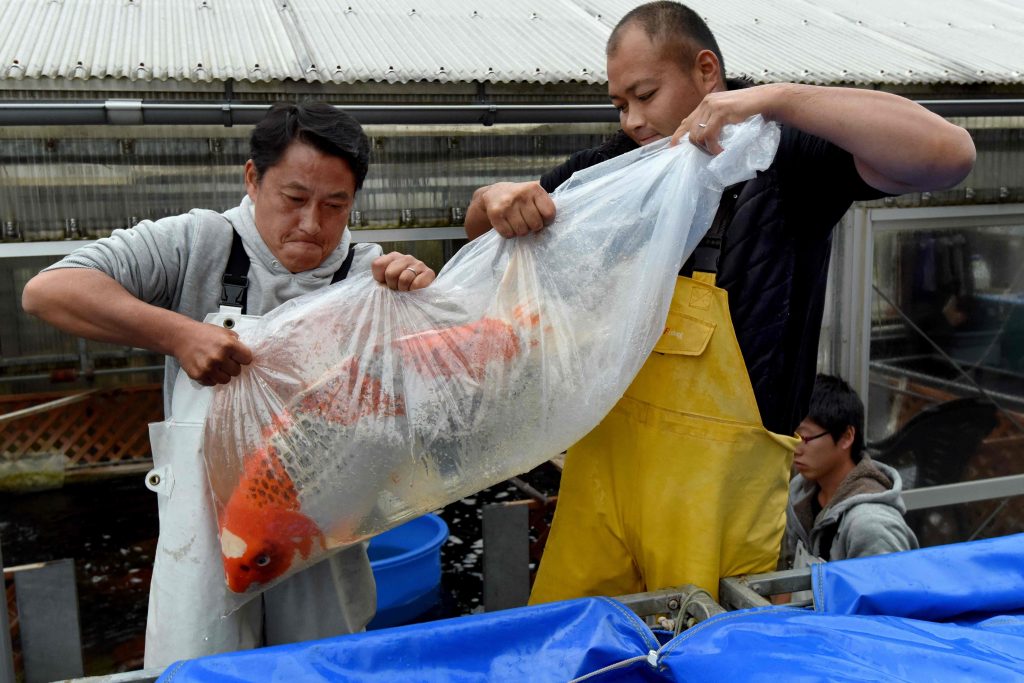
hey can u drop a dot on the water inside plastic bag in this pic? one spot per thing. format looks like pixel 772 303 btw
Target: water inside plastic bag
pixel 366 407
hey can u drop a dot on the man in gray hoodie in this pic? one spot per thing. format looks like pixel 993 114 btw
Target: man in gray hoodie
pixel 842 504
pixel 153 285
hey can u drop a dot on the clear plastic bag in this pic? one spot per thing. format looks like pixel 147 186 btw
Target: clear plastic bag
pixel 366 407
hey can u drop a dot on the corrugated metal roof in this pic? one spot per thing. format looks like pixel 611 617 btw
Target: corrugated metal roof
pixel 506 41
pixel 861 41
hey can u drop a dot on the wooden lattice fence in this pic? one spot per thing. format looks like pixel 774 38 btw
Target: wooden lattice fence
pixel 98 427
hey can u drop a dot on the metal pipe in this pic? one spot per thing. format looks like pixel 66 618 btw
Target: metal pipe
pixel 46 407
pixel 71 358
pixel 988 520
pixel 71 375
pixel 228 113
pixel 982 107
pixel 964 492
pixel 970 389
pixel 84 363
pixel 529 490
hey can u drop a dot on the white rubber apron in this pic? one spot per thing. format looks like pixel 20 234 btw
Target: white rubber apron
pixel 188 595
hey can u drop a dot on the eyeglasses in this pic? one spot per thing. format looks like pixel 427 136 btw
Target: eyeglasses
pixel 808 439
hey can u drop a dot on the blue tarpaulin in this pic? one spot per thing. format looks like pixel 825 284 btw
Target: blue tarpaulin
pixel 946 613
pixel 555 642
pixel 943 583
pixel 782 644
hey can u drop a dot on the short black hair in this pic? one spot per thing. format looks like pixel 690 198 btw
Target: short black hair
pixel 673 26
pixel 319 124
pixel 836 406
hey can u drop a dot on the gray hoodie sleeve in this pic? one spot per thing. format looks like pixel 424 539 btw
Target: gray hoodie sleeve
pixel 873 529
pixel 148 260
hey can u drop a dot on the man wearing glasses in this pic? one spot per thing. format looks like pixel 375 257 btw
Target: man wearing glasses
pixel 842 504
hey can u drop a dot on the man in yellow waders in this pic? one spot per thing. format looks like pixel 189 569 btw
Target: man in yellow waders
pixel 685 481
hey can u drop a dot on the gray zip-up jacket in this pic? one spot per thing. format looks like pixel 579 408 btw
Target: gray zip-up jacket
pixel 867 507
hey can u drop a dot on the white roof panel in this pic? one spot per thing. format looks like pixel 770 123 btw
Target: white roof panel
pixel 516 41
pixel 862 42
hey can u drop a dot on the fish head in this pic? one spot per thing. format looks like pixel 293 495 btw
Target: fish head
pixel 261 544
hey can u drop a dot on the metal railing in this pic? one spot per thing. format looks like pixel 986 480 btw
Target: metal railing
pixel 61 248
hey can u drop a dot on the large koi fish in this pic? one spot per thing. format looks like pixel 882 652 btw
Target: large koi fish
pixel 264 529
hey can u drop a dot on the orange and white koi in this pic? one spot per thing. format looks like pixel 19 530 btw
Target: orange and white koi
pixel 263 529
pixel 466 349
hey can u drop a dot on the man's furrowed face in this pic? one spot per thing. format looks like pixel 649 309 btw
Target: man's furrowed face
pixel 302 205
pixel 652 91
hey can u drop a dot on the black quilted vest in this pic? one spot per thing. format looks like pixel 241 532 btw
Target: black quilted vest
pixel 776 284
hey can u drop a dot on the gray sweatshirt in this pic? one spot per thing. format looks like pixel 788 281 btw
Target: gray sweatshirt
pixel 177 263
pixel 869 510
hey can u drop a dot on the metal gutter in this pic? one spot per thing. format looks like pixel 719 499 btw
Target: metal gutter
pixel 228 113
pixel 140 112
pixel 984 107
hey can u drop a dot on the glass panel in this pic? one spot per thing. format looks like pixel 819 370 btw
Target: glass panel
pixel 37 357
pixel 946 399
pixel 967 521
pixel 87 181
pixel 83 182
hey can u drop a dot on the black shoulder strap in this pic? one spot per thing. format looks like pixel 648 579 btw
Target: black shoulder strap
pixel 342 273
pixel 235 283
pixel 705 257
pixel 234 289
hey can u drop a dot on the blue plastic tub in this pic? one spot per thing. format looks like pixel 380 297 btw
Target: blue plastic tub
pixel 406 563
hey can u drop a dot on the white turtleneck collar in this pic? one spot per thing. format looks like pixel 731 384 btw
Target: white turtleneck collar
pixel 259 251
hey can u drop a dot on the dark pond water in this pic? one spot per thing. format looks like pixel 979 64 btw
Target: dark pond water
pixel 109 528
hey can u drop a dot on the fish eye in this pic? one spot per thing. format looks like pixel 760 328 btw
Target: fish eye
pixel 262 560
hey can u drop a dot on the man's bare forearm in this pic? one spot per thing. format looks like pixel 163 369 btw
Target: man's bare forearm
pixel 899 146
pixel 90 304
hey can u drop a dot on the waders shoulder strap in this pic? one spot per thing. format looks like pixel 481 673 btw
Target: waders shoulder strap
pixel 705 257
pixel 235 283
